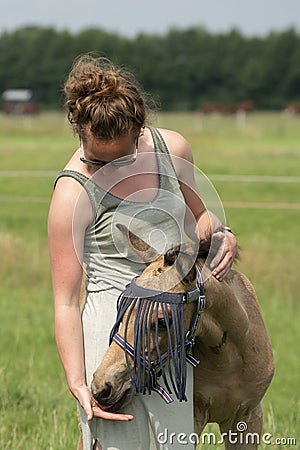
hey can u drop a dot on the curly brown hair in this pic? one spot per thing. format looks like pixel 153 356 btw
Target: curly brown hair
pixel 104 99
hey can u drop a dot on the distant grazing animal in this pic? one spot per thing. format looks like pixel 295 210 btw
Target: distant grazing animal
pixel 224 109
pixel 19 108
pixel 293 108
pixel 161 313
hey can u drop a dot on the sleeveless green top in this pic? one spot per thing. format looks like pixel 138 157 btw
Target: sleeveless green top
pixel 108 261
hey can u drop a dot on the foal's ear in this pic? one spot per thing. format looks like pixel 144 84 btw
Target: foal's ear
pixel 171 256
pixel 145 252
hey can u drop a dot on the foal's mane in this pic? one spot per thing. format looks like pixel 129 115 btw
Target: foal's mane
pixel 207 250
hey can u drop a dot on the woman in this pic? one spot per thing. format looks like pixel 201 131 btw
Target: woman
pixel 123 171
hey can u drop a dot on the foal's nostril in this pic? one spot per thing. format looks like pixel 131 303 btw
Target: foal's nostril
pixel 104 395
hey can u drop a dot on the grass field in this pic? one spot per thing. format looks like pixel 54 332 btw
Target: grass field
pixel 255 168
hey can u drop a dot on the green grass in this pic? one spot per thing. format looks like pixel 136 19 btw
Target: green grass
pixel 37 411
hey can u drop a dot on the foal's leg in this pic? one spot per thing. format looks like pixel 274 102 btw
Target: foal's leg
pixel 80 442
pixel 79 445
pixel 237 439
pixel 97 446
pixel 200 418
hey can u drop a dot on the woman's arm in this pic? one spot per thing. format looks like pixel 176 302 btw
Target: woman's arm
pixel 199 221
pixel 66 240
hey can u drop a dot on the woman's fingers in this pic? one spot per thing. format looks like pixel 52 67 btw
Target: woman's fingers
pixel 222 262
pixel 98 412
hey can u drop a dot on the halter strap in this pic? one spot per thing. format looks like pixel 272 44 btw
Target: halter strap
pixel 190 336
pixel 135 290
pixel 155 386
pixel 164 297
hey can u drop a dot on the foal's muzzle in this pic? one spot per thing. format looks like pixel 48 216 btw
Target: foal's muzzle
pixel 114 391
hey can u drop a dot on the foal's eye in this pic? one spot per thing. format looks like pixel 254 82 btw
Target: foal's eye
pixel 162 323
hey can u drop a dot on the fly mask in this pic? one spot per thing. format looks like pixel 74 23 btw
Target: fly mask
pixel 150 312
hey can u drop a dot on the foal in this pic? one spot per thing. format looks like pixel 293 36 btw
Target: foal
pixel 231 342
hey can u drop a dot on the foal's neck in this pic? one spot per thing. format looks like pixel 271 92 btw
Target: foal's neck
pixel 224 325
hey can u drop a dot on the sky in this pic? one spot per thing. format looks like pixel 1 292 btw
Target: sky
pixel 130 17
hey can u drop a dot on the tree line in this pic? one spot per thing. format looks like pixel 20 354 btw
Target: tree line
pixel 182 69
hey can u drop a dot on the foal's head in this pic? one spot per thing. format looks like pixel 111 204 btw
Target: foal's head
pixel 151 322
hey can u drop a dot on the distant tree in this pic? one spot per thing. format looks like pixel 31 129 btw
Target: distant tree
pixel 279 49
pixel 182 69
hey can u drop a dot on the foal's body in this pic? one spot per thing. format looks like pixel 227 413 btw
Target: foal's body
pixel 236 363
pixel 232 345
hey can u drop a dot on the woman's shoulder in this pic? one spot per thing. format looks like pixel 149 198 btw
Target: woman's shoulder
pixel 69 182
pixel 177 145
pixel 73 172
pixel 68 198
pixel 74 163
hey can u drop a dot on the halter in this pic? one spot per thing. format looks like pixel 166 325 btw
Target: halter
pixel 147 302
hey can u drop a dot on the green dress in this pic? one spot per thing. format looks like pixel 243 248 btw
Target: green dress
pixel 109 267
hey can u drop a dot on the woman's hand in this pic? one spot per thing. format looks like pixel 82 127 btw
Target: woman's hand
pixel 222 262
pixel 92 409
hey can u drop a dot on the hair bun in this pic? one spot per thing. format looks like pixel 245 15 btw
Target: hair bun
pixel 107 85
pixel 103 82
pixel 104 98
